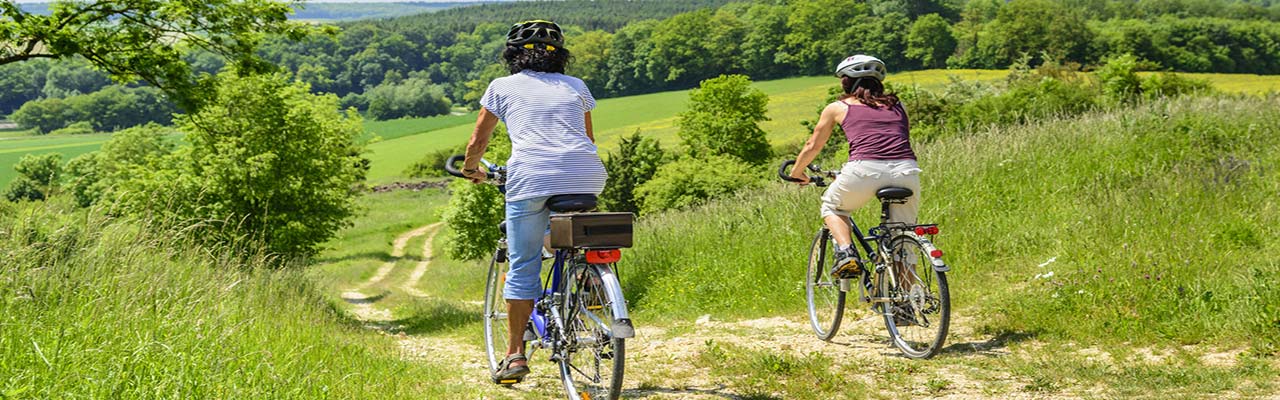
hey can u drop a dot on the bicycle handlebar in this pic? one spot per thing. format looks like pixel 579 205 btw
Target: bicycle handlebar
pixel 449 166
pixel 786 175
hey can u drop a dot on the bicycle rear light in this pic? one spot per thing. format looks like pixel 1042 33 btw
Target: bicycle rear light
pixel 926 230
pixel 603 256
pixel 935 253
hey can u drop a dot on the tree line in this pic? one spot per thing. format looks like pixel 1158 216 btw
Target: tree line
pixel 621 49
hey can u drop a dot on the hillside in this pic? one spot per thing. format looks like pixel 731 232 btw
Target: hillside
pixel 1146 274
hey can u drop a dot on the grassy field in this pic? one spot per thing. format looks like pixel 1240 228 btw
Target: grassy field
pixel 99 308
pixel 793 100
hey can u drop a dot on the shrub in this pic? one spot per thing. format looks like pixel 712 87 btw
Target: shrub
pixel 37 177
pixel 415 97
pixel 130 154
pixel 432 164
pixel 78 128
pixel 1168 84
pixel 691 181
pixel 1119 78
pixel 267 160
pixel 635 163
pixel 474 211
pixel 722 117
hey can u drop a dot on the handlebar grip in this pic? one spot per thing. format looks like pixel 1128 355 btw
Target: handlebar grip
pixel 784 174
pixel 451 169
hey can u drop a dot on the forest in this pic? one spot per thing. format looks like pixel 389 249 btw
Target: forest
pixel 428 64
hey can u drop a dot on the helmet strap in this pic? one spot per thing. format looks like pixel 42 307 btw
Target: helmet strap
pixel 854 88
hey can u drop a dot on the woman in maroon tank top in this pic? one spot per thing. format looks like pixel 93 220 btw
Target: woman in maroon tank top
pixel 878 132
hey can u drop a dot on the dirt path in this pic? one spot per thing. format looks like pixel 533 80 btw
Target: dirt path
pixel 670 361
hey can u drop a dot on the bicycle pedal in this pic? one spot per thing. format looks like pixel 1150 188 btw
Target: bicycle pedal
pixel 507 381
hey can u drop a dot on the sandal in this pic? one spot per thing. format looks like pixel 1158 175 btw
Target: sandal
pixel 508 375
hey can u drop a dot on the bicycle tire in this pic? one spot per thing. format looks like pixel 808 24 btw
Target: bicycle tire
pixel 495 315
pixel 917 324
pixel 821 287
pixel 595 360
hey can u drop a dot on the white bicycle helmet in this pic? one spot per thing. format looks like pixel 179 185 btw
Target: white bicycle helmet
pixel 861 66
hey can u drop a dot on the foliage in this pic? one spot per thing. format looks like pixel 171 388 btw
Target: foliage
pixel 721 120
pixel 78 128
pixel 635 163
pixel 1119 78
pixel 432 164
pixel 691 181
pixel 130 154
pixel 930 41
pixel 473 215
pixel 475 210
pixel 147 39
pixel 109 109
pixel 414 97
pixel 73 284
pixel 267 160
pixel 38 177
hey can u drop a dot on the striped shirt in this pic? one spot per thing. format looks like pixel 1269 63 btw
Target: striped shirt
pixel 550 151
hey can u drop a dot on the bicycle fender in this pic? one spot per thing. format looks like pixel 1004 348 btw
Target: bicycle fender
pixel 938 264
pixel 621 328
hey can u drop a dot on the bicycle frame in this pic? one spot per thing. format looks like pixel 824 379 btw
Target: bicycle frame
pixel 551 289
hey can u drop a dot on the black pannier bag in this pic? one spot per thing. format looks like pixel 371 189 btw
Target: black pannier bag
pixel 610 230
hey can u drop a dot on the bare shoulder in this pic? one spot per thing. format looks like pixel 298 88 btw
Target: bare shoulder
pixel 835 110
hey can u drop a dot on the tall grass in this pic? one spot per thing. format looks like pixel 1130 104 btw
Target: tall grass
pixel 1154 224
pixel 101 308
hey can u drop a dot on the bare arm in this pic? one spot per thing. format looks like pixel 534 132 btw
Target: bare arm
pixel 485 123
pixel 821 132
pixel 590 135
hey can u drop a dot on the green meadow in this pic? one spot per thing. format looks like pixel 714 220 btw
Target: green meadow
pixel 402 142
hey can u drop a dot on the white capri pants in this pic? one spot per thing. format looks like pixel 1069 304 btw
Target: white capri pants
pixel 860 179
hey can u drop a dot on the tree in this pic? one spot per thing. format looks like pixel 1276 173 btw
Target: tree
pixel 722 117
pixel 146 39
pixel 930 41
pixel 71 78
pixel 635 163
pixel 475 210
pixel 415 97
pixel 267 160
pixel 37 177
pixel 692 181
pixel 1038 28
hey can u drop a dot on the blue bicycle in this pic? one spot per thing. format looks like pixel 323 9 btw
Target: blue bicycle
pixel 581 317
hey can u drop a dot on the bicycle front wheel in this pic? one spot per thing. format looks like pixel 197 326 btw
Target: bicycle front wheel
pixel 917 310
pixel 822 291
pixel 495 314
pixel 592 366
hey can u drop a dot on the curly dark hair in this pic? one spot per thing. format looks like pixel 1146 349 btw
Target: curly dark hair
pixel 537 59
pixel 869 92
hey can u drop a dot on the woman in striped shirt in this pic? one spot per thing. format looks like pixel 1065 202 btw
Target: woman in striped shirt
pixel 553 152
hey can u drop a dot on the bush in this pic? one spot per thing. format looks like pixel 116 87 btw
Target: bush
pixel 1119 78
pixel 432 164
pixel 78 128
pixel 635 163
pixel 37 177
pixel 472 216
pixel 691 181
pixel 415 97
pixel 474 211
pixel 267 160
pixel 130 154
pixel 722 117
pixel 1168 84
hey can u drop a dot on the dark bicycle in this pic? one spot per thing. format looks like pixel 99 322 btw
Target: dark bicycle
pixel 581 317
pixel 902 276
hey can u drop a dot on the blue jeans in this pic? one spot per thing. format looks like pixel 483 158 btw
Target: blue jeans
pixel 527 222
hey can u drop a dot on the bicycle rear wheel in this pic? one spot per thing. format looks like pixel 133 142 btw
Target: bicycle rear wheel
pixel 595 358
pixel 920 308
pixel 495 314
pixel 822 291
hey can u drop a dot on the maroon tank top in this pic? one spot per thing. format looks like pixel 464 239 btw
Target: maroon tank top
pixel 877 133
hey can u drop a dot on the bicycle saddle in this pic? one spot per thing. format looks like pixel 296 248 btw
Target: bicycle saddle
pixel 893 193
pixel 572 203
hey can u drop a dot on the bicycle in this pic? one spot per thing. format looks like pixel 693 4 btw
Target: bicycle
pixel 914 301
pixel 581 316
